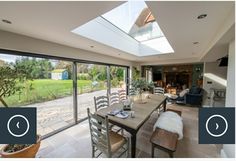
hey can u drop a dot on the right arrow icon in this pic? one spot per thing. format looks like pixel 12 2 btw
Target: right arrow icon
pixel 217 126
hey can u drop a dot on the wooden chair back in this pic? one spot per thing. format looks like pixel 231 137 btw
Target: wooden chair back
pixel 101 102
pixel 114 98
pixel 122 95
pixel 132 92
pixel 158 90
pixel 99 131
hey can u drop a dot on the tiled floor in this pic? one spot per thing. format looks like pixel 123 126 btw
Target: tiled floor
pixel 75 141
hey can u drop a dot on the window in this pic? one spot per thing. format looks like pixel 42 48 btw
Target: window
pixel 136 20
pixel 46 85
pixel 92 82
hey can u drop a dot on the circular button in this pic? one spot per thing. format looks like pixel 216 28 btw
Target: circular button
pixel 18 125
pixel 216 125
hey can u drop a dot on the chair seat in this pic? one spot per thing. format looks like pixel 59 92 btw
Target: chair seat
pixel 116 141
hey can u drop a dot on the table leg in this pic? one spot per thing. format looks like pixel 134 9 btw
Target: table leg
pixel 133 145
pixel 152 151
pixel 164 105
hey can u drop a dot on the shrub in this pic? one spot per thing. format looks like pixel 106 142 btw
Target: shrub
pixel 83 76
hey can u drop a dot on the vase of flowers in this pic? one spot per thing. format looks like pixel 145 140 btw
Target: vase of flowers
pixel 140 86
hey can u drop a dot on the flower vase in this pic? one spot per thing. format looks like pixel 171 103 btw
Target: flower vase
pixel 141 98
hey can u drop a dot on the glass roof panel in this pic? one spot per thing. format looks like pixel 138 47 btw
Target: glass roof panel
pixel 136 20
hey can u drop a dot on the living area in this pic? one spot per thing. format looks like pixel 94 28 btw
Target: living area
pixel 182 83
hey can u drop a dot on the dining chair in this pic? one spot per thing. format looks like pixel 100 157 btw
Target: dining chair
pixel 104 140
pixel 101 102
pixel 158 90
pixel 114 98
pixel 132 92
pixel 122 95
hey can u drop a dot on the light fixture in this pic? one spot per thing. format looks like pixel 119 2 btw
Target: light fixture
pixel 201 16
pixel 6 21
pixel 196 42
pixel 91 46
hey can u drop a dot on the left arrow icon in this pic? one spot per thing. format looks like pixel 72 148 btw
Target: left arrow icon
pixel 17 125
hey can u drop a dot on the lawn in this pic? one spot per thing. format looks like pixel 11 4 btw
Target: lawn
pixel 47 89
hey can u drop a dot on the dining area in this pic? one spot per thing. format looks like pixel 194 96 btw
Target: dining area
pixel 117 119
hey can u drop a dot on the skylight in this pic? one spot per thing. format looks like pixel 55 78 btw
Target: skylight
pixel 130 27
pixel 136 20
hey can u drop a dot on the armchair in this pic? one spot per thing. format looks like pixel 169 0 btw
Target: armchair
pixel 194 97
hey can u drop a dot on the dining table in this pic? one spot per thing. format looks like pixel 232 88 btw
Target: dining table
pixel 142 110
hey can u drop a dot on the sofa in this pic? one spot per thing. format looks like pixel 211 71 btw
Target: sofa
pixel 194 96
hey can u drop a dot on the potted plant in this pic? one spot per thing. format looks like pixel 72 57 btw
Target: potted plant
pixel 21 150
pixel 9 85
pixel 140 86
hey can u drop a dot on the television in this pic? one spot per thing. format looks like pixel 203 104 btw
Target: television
pixel 223 62
pixel 157 76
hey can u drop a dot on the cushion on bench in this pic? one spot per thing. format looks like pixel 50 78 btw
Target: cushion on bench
pixel 170 121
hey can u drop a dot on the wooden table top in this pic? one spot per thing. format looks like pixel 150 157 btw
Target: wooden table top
pixel 142 111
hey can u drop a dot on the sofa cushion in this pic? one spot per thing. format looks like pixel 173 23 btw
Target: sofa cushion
pixel 183 92
pixel 195 90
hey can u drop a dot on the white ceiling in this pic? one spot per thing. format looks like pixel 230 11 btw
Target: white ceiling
pixel 53 21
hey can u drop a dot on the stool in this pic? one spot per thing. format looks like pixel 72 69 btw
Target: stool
pixel 165 140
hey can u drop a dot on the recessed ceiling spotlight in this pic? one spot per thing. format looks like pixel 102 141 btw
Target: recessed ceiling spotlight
pixel 196 42
pixel 201 16
pixel 91 46
pixel 6 21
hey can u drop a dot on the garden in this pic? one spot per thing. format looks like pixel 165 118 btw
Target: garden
pixel 28 80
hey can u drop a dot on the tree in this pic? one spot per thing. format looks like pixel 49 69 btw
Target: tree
pixel 34 67
pixel 9 81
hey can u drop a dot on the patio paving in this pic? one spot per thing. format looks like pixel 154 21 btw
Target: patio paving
pixel 58 113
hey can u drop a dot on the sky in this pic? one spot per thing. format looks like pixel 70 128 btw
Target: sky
pixel 125 15
pixel 8 58
pixel 12 58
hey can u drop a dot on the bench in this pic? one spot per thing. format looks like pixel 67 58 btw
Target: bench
pixel 165 140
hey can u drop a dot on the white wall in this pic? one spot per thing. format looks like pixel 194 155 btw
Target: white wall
pixel 212 71
pixel 18 42
pixel 229 150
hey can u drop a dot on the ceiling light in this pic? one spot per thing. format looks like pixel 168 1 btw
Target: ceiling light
pixel 91 46
pixel 201 16
pixel 196 42
pixel 6 21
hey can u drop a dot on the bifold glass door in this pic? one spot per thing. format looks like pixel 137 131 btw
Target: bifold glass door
pixel 61 90
pixel 43 83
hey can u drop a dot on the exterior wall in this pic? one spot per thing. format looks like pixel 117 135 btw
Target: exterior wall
pixel 64 75
pixel 56 76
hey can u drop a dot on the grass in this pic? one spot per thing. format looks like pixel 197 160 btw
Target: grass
pixel 48 89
